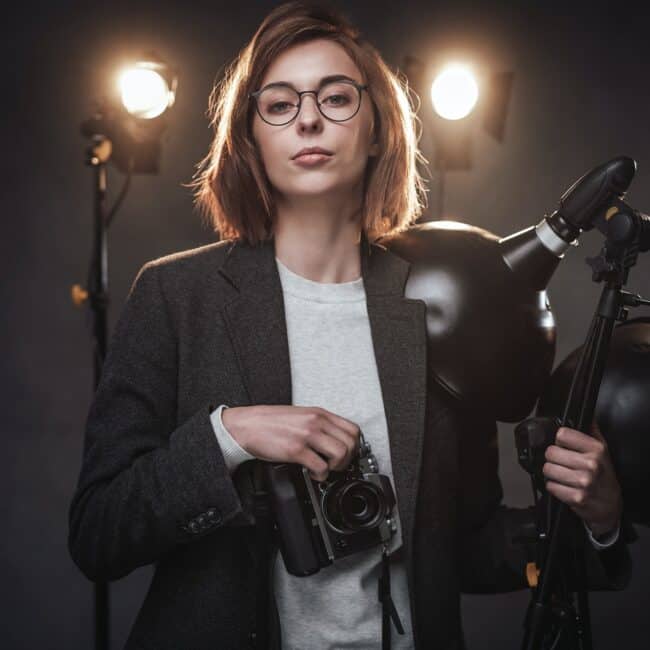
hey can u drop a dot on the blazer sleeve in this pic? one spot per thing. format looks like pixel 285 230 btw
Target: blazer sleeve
pixel 146 483
pixel 491 558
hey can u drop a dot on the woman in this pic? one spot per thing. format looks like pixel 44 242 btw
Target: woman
pixel 297 323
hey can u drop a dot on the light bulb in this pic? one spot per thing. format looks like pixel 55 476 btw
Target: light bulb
pixel 454 92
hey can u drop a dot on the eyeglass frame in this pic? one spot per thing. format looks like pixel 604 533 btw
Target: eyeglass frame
pixel 300 93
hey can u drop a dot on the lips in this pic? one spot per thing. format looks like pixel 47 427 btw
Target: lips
pixel 308 150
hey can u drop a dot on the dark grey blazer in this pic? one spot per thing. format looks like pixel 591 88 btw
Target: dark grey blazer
pixel 207 326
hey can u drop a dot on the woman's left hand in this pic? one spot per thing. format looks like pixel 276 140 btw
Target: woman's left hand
pixel 580 473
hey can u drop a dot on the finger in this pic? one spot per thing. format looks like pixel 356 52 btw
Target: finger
pixel 568 458
pixel 565 476
pixel 576 440
pixel 334 450
pixel 342 428
pixel 351 443
pixel 347 425
pixel 317 467
pixel 573 497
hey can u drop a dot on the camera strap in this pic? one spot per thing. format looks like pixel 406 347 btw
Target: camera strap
pixel 388 610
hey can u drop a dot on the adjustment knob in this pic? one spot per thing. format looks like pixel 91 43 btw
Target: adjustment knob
pixel 78 294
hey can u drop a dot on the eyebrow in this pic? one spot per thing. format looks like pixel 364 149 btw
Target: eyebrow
pixel 321 83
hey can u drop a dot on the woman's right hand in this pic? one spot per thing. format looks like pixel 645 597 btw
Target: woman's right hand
pixel 311 436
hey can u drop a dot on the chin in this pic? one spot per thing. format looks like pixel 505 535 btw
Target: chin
pixel 312 187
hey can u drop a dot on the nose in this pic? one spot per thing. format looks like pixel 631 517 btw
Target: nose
pixel 309 117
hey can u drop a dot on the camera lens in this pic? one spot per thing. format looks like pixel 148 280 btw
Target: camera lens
pixel 358 506
pixel 354 505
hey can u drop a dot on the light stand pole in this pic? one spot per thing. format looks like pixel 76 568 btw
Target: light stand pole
pixel 97 156
pixel 98 289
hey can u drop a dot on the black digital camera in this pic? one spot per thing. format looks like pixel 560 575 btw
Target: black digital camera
pixel 320 521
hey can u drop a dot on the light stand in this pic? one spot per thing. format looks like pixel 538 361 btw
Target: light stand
pixel 558 616
pixel 132 142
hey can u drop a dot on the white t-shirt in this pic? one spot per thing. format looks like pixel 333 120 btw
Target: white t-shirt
pixel 333 366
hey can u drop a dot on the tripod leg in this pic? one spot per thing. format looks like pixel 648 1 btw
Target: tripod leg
pixel 583 616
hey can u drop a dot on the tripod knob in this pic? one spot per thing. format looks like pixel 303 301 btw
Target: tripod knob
pixel 532 574
pixel 78 294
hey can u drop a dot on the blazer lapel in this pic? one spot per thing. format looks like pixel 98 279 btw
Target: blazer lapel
pixel 256 323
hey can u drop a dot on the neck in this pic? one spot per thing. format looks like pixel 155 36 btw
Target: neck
pixel 319 242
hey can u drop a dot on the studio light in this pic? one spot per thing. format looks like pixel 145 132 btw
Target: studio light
pixel 133 114
pixel 462 95
pixel 146 89
pixel 454 92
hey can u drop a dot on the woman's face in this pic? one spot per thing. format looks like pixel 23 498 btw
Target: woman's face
pixel 351 142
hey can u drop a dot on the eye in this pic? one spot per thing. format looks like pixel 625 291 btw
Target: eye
pixel 337 100
pixel 277 107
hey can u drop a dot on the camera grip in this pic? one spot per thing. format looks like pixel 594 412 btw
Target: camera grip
pixel 295 537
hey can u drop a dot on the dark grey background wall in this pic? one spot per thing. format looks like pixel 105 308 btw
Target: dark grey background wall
pixel 580 97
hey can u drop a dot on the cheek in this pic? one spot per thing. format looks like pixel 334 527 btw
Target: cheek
pixel 361 139
pixel 271 147
pixel 358 149
pixel 274 162
pixel 367 125
pixel 262 140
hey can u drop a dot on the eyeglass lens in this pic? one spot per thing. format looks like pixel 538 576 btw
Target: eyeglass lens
pixel 338 101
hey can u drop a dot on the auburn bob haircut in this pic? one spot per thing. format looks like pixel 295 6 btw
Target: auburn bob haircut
pixel 231 188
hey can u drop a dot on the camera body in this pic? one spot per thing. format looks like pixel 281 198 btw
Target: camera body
pixel 320 521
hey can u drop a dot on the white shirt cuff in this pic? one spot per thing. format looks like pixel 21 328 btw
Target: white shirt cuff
pixel 607 541
pixel 233 453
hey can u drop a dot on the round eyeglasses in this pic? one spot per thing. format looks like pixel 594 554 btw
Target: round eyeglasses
pixel 338 101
